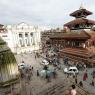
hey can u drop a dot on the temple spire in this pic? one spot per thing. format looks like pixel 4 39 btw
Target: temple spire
pixel 80 22
pixel 81 7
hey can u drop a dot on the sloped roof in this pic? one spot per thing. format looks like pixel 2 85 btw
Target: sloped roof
pixel 1 25
pixel 81 52
pixel 91 33
pixel 79 11
pixel 72 35
pixel 80 21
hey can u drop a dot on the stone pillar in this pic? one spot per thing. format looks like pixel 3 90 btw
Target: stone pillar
pixel 18 41
pixel 35 38
pixel 29 39
pixel 24 39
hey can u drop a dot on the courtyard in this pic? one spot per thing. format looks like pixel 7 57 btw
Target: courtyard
pixel 37 85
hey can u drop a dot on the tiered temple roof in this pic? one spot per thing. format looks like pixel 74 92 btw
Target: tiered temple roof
pixel 71 35
pixel 80 22
pixel 84 53
pixel 75 13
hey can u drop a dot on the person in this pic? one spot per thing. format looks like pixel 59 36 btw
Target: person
pixel 85 76
pixel 80 84
pixel 22 75
pixel 48 77
pixel 32 68
pixel 22 61
pixel 35 56
pixel 85 66
pixel 74 75
pixel 73 90
pixel 29 77
pixel 54 73
pixel 76 80
pixel 30 72
pixel 38 73
pixel 92 83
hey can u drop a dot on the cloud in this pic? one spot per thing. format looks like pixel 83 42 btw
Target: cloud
pixel 41 12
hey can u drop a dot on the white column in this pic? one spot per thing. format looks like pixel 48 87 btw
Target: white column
pixel 29 39
pixel 24 39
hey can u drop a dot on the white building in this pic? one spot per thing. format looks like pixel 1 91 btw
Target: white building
pixel 22 37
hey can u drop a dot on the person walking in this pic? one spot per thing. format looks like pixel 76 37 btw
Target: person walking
pixel 32 68
pixel 85 76
pixel 54 73
pixel 80 84
pixel 92 83
pixel 76 80
pixel 38 73
pixel 73 90
pixel 35 56
pixel 48 77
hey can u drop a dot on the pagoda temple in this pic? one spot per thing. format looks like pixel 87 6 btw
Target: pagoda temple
pixel 81 21
pixel 76 42
pixel 83 54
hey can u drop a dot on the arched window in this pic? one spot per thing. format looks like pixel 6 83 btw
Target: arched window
pixel 26 34
pixel 20 35
pixel 21 42
pixel 31 34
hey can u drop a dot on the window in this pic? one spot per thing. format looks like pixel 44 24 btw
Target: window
pixel 20 35
pixel 31 34
pixel 26 34
pixel 21 43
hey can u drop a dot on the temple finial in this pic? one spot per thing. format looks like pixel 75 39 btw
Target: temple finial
pixel 81 6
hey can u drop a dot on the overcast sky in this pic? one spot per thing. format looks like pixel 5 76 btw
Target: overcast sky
pixel 41 12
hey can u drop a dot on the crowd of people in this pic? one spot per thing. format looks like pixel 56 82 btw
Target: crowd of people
pixel 56 63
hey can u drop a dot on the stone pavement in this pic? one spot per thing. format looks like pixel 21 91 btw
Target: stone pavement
pixel 80 78
pixel 38 84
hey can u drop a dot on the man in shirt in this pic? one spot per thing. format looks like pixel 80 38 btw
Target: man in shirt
pixel 73 90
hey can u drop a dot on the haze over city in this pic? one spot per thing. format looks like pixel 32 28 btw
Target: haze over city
pixel 47 47
pixel 51 13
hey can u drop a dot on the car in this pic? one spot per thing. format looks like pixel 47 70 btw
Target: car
pixel 43 73
pixel 71 70
pixel 21 66
pixel 45 62
pixel 24 66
